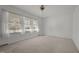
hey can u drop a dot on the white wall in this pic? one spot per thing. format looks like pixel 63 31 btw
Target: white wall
pixel 14 38
pixel 60 23
pixel 76 27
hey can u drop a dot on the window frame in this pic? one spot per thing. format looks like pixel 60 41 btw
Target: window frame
pixel 5 23
pixel 20 18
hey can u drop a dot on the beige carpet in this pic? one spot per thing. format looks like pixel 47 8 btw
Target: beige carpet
pixel 41 44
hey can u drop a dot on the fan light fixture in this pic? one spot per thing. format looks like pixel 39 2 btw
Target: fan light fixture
pixel 42 7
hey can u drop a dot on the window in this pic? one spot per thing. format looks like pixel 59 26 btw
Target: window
pixel 20 24
pixel 35 25
pixel 30 25
pixel 14 23
pixel 27 24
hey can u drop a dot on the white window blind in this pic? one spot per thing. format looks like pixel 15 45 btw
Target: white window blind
pixel 14 23
pixel 31 25
pixel 27 24
pixel 35 25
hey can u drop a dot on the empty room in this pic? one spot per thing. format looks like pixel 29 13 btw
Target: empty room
pixel 39 29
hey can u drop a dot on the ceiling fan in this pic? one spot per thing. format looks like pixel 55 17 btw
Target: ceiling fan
pixel 42 7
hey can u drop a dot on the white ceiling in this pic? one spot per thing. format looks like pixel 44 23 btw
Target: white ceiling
pixel 50 10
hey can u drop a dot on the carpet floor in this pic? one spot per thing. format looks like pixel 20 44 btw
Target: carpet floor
pixel 41 44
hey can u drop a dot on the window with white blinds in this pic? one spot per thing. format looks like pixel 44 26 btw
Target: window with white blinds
pixel 17 23
pixel 30 25
pixel 14 23
pixel 35 25
pixel 27 24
